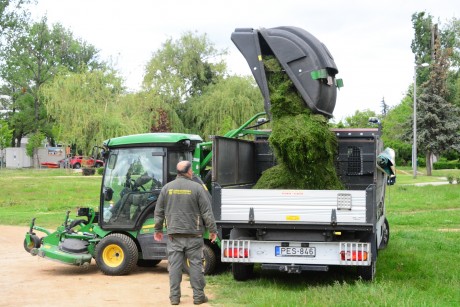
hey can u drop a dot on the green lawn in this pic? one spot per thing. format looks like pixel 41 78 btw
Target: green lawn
pixel 45 194
pixel 420 267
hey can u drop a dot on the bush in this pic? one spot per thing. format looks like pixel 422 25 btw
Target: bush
pixel 100 170
pixel 446 165
pixel 421 162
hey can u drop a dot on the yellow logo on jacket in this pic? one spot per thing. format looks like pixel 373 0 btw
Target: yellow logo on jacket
pixel 179 192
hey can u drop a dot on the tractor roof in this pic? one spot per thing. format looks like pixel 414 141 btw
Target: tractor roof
pixel 158 139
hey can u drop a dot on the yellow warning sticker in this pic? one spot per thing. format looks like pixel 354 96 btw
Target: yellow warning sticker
pixel 292 217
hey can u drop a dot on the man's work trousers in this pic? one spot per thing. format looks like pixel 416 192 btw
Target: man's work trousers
pixel 179 249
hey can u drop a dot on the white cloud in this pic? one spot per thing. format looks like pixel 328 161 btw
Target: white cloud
pixel 370 40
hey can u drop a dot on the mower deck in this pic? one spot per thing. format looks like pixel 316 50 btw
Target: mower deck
pixel 54 253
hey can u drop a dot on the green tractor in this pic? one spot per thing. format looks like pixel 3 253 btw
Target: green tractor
pixel 120 235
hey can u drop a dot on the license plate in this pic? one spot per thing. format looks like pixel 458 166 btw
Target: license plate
pixel 295 251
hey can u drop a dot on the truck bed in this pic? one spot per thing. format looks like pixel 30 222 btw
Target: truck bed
pixel 296 206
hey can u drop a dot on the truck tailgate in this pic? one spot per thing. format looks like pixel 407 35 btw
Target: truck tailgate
pixel 316 206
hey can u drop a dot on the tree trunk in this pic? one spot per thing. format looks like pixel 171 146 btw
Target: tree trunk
pixel 429 163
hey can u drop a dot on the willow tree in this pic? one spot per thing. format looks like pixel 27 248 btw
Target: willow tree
pixel 223 106
pixel 146 112
pixel 84 106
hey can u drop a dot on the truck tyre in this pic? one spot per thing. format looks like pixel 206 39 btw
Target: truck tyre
pixel 77 166
pixel 367 273
pixel 34 243
pixel 242 272
pixel 116 254
pixel 385 234
pixel 209 261
pixel 147 263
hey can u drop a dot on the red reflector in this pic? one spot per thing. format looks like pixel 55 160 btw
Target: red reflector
pixel 236 252
pixel 353 256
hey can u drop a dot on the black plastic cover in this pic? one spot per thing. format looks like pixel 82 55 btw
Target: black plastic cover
pixel 300 54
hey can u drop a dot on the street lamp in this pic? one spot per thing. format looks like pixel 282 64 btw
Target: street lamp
pixel 414 146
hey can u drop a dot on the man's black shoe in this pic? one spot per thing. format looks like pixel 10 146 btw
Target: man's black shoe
pixel 202 301
pixel 175 302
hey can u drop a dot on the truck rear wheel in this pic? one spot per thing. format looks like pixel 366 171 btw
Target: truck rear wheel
pixel 367 273
pixel 242 272
pixel 385 234
pixel 116 254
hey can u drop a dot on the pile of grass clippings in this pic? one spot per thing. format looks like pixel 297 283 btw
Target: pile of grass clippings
pixel 304 146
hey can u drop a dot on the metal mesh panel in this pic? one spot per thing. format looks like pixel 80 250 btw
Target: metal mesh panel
pixel 355 160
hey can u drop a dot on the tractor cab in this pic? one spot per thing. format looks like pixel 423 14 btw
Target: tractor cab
pixel 137 167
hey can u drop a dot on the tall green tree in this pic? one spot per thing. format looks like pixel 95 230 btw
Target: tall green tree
pixel 83 105
pixel 223 106
pixel 184 67
pixel 13 15
pixel 33 59
pixel 438 121
pixel 6 135
pixel 439 45
pixel 360 119
pixel 396 127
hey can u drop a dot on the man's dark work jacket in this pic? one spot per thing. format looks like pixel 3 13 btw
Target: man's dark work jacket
pixel 186 206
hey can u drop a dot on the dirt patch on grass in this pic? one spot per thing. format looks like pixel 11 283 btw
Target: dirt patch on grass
pixel 33 281
pixel 449 230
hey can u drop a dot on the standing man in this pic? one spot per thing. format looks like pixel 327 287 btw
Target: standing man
pixel 187 208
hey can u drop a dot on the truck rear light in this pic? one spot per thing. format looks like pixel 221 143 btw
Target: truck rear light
pixel 236 252
pixel 353 255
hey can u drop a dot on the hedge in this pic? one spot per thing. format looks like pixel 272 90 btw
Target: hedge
pixel 446 165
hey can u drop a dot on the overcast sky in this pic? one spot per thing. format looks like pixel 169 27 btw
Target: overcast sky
pixel 369 40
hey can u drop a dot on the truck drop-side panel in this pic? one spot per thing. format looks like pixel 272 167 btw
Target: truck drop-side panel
pixel 297 206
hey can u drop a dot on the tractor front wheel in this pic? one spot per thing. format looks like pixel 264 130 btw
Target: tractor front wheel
pixel 116 254
pixel 34 243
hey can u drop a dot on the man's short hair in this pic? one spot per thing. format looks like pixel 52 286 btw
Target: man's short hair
pixel 185 168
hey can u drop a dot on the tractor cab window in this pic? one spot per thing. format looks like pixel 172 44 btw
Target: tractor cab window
pixel 175 157
pixel 132 183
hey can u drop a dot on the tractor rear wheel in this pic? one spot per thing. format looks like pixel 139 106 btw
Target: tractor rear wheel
pixel 35 242
pixel 209 261
pixel 116 254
